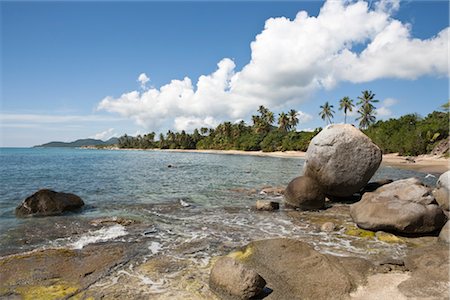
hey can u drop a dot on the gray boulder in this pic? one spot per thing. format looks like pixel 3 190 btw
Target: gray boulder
pixel 404 206
pixel 230 279
pixel 342 160
pixel 47 203
pixel 444 235
pixel 442 191
pixel 304 193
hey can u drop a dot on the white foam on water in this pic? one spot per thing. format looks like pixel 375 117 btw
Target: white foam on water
pixel 154 247
pixel 101 235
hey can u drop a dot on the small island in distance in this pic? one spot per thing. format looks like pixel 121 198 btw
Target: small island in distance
pixel 80 143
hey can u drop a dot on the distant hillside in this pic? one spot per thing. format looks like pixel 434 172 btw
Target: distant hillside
pixel 81 143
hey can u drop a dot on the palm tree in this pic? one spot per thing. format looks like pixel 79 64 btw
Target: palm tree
pixel 366 99
pixel 283 122
pixel 327 112
pixel 366 117
pixel 367 109
pixel 293 119
pixel 346 104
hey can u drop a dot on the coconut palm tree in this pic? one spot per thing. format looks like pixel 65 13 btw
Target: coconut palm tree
pixel 327 112
pixel 367 99
pixel 293 119
pixel 283 122
pixel 346 104
pixel 367 116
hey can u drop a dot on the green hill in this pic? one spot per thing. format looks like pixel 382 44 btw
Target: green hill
pixel 81 143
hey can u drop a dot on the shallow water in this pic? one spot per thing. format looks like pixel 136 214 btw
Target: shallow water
pixel 197 209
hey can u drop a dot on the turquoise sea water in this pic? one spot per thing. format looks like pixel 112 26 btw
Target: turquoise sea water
pixel 138 184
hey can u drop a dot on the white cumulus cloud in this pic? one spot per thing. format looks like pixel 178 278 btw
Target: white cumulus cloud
pixel 384 110
pixel 290 60
pixel 143 79
pixel 104 135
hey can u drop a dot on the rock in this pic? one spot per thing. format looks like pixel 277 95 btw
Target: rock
pixel 328 227
pixel 410 159
pixel 304 193
pixel 342 160
pixel 441 148
pixel 404 206
pixel 294 270
pixel 231 279
pixel 276 191
pixel 372 186
pixel 444 236
pixel 267 205
pixel 47 202
pixel 112 220
pixel 442 191
pixel 58 273
pixel 429 276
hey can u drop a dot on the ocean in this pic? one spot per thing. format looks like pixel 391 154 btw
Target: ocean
pixel 201 204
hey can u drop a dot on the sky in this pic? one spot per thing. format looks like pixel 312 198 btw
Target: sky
pixel 73 70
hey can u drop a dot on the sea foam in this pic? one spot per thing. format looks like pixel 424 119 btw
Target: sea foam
pixel 101 235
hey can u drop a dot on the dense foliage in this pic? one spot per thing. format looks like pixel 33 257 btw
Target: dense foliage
pixel 410 134
pixel 262 135
pixel 407 135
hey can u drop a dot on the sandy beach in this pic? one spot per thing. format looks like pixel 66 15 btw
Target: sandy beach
pixel 422 163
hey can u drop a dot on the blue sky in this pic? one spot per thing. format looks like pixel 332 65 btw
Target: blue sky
pixel 70 70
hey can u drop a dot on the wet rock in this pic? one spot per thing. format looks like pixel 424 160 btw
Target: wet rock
pixel 112 220
pixel 372 186
pixel 304 193
pixel 404 206
pixel 36 274
pixel 230 279
pixel 444 235
pixel 442 191
pixel 294 270
pixel 328 227
pixel 267 205
pixel 47 203
pixel 388 237
pixel 342 160
pixel 275 191
pixel 429 273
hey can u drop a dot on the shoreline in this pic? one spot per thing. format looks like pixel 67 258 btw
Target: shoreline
pixel 425 163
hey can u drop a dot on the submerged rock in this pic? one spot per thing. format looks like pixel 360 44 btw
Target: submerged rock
pixel 47 203
pixel 328 227
pixel 230 279
pixel 442 191
pixel 267 205
pixel 342 160
pixel 304 193
pixel 404 206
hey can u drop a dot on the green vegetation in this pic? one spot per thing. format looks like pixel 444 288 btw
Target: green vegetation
pixel 410 134
pixel 407 135
pixel 261 135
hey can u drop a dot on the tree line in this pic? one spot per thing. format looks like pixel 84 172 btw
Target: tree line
pixel 408 135
pixel 262 134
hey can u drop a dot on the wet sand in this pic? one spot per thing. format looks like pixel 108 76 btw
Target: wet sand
pixel 422 163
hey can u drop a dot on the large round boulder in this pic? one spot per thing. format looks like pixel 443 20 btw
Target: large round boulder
pixel 405 206
pixel 442 191
pixel 47 202
pixel 304 193
pixel 342 160
pixel 231 279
